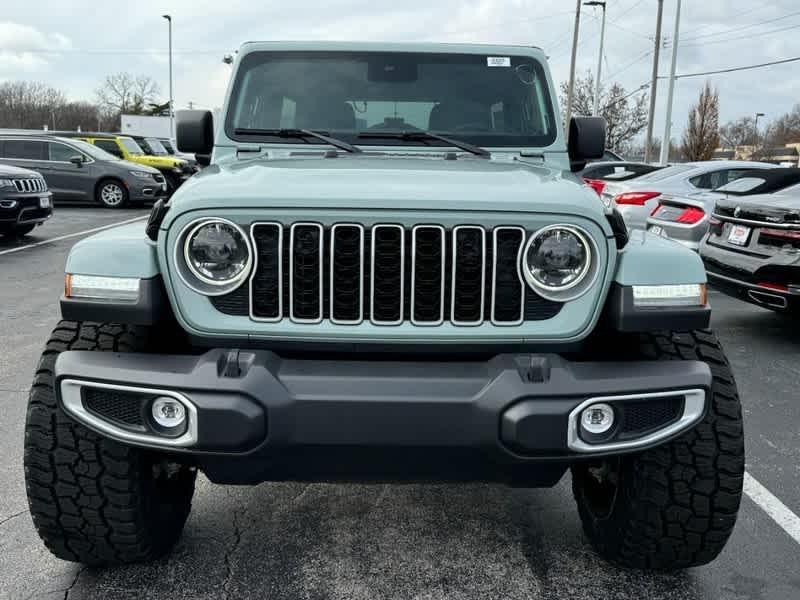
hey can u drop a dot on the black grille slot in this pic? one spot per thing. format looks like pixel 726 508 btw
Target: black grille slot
pixel 508 289
pixel 123 408
pixel 267 293
pixel 428 274
pixel 469 260
pixel 306 272
pixel 347 266
pixel 388 242
pixel 640 417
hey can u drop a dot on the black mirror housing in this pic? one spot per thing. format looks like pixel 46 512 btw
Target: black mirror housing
pixel 76 160
pixel 194 131
pixel 587 140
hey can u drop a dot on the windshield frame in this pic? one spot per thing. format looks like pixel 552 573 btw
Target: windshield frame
pixel 126 141
pixel 92 151
pixel 156 147
pixel 491 141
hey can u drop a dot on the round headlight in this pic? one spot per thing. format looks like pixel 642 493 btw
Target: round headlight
pixel 557 258
pixel 217 252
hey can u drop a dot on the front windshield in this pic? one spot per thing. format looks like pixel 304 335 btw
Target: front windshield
pixel 484 100
pixel 131 145
pixel 168 146
pixel 156 147
pixel 93 151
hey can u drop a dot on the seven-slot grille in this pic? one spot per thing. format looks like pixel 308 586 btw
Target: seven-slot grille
pixel 27 186
pixel 386 274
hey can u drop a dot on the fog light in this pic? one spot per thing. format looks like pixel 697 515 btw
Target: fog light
pixel 597 419
pixel 168 413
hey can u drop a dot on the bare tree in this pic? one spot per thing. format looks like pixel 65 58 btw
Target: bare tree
pixel 739 132
pixel 125 93
pixel 701 137
pixel 29 104
pixel 625 115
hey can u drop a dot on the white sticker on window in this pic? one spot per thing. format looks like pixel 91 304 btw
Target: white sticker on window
pixel 498 61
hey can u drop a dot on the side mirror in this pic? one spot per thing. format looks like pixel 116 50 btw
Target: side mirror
pixel 76 160
pixel 587 140
pixel 203 159
pixel 194 131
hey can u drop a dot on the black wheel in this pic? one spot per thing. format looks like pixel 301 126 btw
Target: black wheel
pixel 111 193
pixel 21 230
pixel 93 500
pixel 674 506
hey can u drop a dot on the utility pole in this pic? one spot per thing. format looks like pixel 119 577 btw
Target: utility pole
pixel 171 106
pixel 596 108
pixel 571 89
pixel 668 124
pixel 654 84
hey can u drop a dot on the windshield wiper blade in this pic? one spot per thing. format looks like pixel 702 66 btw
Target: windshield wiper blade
pixel 301 134
pixel 425 135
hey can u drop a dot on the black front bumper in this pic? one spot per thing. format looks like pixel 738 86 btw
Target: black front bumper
pixel 24 209
pixel 768 281
pixel 261 417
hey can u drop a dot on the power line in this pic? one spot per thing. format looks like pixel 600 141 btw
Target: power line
pixel 734 69
pixel 760 6
pixel 733 29
pixel 630 64
pixel 638 90
pixel 741 37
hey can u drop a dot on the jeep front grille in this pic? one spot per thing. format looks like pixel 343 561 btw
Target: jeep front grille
pixel 29 186
pixel 387 275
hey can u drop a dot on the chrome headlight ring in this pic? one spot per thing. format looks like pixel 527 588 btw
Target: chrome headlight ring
pixel 196 280
pixel 576 287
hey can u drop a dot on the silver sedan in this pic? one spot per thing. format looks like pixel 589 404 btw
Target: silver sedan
pixel 638 198
pixel 685 219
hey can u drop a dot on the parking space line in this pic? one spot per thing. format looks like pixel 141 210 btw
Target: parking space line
pixel 71 235
pixel 770 504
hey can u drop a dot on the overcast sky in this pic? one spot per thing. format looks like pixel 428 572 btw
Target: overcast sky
pixel 73 45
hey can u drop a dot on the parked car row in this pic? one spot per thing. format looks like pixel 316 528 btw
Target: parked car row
pixel 38 169
pixel 742 217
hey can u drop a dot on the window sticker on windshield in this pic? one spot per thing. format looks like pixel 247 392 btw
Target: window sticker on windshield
pixel 498 61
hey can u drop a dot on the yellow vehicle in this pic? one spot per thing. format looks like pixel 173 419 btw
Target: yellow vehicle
pixel 175 170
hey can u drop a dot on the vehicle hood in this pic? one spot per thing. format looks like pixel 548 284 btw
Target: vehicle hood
pixel 9 171
pixel 390 183
pixel 160 162
pixel 134 166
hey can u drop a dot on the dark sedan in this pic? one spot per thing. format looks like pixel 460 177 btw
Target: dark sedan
pixel 752 250
pixel 25 201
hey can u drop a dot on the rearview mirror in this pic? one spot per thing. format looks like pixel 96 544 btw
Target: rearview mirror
pixel 194 131
pixel 587 140
pixel 76 160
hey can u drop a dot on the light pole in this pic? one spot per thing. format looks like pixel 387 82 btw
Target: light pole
pixel 571 87
pixel 755 130
pixel 653 83
pixel 596 108
pixel 171 114
pixel 668 123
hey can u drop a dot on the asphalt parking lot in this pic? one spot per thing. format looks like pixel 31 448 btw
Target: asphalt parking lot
pixel 320 541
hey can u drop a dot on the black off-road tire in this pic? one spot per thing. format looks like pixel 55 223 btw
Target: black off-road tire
pixel 674 506
pixel 93 500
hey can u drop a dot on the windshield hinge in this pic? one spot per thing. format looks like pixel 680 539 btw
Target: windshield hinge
pixel 247 150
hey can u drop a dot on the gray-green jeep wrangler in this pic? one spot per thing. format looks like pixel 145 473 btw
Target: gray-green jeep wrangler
pixel 389 272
